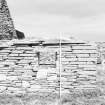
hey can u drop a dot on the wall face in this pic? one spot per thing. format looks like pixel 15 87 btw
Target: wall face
pixel 7 30
pixel 22 69
pixel 101 51
pixel 78 66
pixel 27 68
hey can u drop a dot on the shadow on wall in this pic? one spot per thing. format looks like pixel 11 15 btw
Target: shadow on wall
pixel 20 35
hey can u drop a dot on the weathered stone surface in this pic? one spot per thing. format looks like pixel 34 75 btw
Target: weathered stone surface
pixel 52 78
pixel 2 88
pixel 25 84
pixel 41 68
pixel 12 78
pixel 7 30
pixel 2 77
pixel 34 88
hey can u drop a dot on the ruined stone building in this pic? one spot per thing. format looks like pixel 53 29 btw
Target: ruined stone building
pixel 30 66
pixel 46 65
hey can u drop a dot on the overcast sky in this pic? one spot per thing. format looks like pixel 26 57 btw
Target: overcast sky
pixel 83 19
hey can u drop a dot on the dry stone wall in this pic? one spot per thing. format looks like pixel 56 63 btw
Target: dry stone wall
pixel 7 30
pixel 27 67
pixel 78 66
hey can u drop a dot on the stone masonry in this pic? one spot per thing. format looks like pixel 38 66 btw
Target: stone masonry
pixel 30 66
pixel 7 30
pixel 51 65
pixel 78 61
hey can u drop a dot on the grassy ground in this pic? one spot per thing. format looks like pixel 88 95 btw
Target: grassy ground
pixel 32 99
pixel 84 97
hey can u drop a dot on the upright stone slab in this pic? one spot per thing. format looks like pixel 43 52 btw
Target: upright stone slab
pixel 7 30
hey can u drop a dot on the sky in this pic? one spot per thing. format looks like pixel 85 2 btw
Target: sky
pixel 82 19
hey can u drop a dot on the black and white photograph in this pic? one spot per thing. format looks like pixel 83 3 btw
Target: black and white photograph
pixel 52 52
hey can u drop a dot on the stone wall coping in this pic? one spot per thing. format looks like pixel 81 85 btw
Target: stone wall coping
pixel 35 42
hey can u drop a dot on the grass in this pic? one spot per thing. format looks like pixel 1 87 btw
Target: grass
pixel 84 97
pixel 30 99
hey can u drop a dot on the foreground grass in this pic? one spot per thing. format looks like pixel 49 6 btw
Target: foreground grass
pixel 84 97
pixel 30 99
